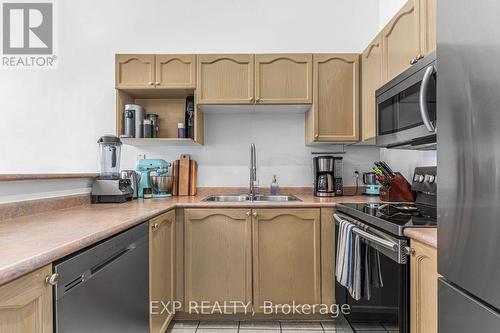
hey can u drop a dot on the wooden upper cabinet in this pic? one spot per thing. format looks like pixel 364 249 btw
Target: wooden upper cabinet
pixel 428 21
pixel 286 256
pixel 26 304
pixel 423 288
pixel 218 262
pixel 401 40
pixel 283 78
pixel 225 79
pixel 135 70
pixel 161 267
pixel 334 116
pixel 371 78
pixel 175 71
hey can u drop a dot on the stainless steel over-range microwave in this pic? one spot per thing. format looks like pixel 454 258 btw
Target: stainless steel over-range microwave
pixel 406 108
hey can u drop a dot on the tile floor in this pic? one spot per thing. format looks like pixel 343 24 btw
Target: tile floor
pixel 339 326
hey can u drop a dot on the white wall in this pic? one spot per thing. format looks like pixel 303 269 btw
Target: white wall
pixel 387 9
pixel 51 119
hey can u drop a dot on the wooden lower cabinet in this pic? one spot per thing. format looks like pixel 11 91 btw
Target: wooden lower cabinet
pixel 218 255
pixel 286 256
pixel 26 304
pixel 161 267
pixel 423 294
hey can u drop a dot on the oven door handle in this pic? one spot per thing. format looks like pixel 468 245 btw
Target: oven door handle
pixel 424 112
pixel 377 240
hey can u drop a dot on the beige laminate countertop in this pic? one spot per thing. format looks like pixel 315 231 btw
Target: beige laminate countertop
pixel 33 241
pixel 424 235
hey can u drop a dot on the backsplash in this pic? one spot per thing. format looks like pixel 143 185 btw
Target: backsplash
pixel 279 138
pixel 405 161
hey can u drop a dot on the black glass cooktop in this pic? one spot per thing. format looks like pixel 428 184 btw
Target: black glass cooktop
pixel 392 217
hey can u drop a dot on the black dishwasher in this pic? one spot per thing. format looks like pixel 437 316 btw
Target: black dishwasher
pixel 104 288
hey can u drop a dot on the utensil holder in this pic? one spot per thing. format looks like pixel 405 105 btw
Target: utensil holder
pixel 397 190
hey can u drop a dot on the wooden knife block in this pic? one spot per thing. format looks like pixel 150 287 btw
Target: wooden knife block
pixel 397 190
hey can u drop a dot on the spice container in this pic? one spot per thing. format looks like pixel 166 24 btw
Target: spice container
pixel 148 128
pixel 181 130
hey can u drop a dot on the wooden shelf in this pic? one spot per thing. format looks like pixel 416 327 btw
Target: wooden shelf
pixel 143 142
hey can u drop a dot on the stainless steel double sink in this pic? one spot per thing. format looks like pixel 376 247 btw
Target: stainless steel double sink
pixel 248 198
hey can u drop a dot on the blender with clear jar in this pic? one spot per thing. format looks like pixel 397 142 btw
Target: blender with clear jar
pixel 108 187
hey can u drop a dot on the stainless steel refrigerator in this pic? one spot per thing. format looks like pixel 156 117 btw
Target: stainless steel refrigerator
pixel 468 89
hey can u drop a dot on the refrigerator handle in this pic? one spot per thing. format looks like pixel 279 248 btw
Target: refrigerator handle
pixel 424 113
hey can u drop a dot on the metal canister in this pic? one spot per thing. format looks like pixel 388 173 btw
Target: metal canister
pixel 138 117
pixel 128 124
pixel 155 119
pixel 148 128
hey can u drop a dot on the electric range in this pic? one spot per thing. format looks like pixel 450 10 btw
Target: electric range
pixel 381 227
pixel 392 217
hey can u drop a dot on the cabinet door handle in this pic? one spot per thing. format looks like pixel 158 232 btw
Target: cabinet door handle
pixel 413 61
pixel 52 279
pixel 155 227
pixel 420 56
pixel 254 214
pixel 248 213
pixel 151 83
pixel 157 83
pixel 258 100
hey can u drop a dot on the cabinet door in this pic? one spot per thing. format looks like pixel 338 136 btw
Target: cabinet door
pixel 371 65
pixel 336 97
pixel 423 296
pixel 225 79
pixel 218 259
pixel 26 304
pixel 283 78
pixel 286 254
pixel 401 40
pixel 175 71
pixel 135 70
pixel 161 267
pixel 428 11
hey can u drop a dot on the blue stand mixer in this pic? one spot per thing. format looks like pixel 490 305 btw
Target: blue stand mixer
pixel 154 176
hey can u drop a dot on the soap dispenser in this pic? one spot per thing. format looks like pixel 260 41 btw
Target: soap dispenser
pixel 274 186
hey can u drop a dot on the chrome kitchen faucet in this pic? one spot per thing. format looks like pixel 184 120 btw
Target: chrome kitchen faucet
pixel 253 173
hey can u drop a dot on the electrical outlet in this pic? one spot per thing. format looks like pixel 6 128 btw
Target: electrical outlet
pixel 356 169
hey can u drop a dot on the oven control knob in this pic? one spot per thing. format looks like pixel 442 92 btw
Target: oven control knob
pixel 415 178
pixel 419 178
pixel 431 179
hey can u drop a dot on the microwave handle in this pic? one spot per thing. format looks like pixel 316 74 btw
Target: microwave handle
pixel 424 113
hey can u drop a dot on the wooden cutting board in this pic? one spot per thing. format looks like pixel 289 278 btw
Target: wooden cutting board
pixel 184 172
pixel 175 177
pixel 193 169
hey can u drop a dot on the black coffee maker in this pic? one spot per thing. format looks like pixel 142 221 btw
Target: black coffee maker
pixel 327 176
